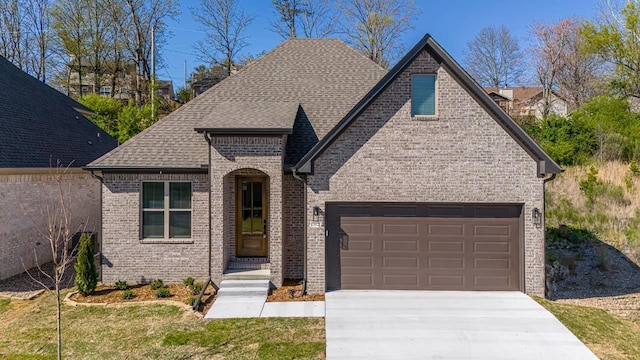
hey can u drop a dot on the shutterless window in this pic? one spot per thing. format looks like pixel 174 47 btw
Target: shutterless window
pixel 423 95
pixel 166 209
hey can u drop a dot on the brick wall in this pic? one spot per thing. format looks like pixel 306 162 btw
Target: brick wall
pixel 237 155
pixel 127 257
pixel 22 198
pixel 463 156
pixel 293 219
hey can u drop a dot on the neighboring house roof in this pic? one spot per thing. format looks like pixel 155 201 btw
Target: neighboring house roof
pixel 39 125
pixel 546 165
pixel 325 77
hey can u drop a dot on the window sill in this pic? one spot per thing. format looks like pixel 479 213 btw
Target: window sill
pixel 425 117
pixel 166 241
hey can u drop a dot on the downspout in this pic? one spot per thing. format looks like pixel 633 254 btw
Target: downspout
pixel 101 179
pixel 196 304
pixel 208 138
pixel 304 242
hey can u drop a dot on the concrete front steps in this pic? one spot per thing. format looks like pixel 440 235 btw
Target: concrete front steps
pixel 239 299
pixel 243 288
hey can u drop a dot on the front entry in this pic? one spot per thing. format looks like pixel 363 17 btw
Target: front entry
pixel 251 217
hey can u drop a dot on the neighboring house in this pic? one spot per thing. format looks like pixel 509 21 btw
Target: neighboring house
pixel 316 163
pixel 120 86
pixel 527 101
pixel 198 86
pixel 38 127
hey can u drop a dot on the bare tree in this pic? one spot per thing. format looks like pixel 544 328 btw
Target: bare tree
pixel 225 24
pixel 319 19
pixel 12 34
pixel 581 75
pixel 493 57
pixel 375 27
pixel 55 224
pixel 550 42
pixel 39 29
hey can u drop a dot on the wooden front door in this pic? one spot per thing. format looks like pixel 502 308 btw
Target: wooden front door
pixel 252 228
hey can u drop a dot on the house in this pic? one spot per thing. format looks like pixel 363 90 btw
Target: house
pixel 315 163
pixel 38 127
pixel 119 84
pixel 527 101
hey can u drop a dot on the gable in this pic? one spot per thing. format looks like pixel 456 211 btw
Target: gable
pixel 545 164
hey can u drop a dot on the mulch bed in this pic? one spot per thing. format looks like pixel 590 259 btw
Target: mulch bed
pixel 110 295
pixel 283 293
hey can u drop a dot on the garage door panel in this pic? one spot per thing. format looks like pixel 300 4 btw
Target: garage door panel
pixel 452 246
pixel 464 247
pixel 407 262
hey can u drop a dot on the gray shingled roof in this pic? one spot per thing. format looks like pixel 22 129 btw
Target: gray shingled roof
pixel 324 76
pixel 39 125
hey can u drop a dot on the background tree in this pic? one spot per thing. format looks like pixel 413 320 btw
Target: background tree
pixel 319 19
pixel 288 11
pixel 580 75
pixel 616 39
pixel 493 57
pixel 225 24
pixel 12 33
pixel 375 27
pixel 38 18
pixel 70 24
pixel 549 44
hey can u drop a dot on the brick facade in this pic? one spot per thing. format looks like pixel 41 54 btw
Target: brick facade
pixel 462 156
pixel 293 216
pixel 128 257
pixel 233 156
pixel 22 197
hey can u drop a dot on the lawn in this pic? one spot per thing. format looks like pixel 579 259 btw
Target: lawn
pixel 608 336
pixel 27 331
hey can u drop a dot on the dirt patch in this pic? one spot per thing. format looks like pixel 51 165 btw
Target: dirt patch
pixel 289 287
pixel 29 284
pixel 110 295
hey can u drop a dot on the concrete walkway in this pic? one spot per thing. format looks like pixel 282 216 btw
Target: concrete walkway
pixel 445 325
pixel 247 299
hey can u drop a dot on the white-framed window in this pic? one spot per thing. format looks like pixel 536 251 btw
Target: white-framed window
pixel 105 90
pixel 423 95
pixel 166 210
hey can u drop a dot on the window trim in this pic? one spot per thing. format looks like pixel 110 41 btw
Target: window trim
pixel 435 94
pixel 166 210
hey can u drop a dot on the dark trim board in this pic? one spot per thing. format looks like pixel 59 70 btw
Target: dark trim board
pixel 399 246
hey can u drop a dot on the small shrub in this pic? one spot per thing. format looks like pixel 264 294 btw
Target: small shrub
pixel 156 284
pixel 192 300
pixel 128 295
pixel 163 293
pixel 592 187
pixel 121 285
pixel 86 274
pixel 188 282
pixel 196 288
pixel 634 169
pixel 628 182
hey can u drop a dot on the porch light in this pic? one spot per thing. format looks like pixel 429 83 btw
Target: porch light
pixel 536 217
pixel 316 213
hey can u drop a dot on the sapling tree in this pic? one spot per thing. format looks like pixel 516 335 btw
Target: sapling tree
pixel 86 273
pixel 55 225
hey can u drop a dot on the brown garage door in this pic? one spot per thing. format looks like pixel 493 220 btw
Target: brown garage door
pixel 423 246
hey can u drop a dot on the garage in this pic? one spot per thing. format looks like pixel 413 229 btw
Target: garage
pixel 411 246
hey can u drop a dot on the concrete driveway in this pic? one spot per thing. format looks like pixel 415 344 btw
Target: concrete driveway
pixel 445 325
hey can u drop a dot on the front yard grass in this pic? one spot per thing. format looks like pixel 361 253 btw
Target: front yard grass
pixel 608 336
pixel 27 331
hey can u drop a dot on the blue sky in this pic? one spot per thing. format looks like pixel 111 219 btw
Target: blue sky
pixel 451 22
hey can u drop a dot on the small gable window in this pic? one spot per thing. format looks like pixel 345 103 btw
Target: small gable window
pixel 166 210
pixel 423 95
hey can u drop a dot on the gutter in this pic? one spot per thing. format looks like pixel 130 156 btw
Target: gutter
pixel 101 179
pixel 304 242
